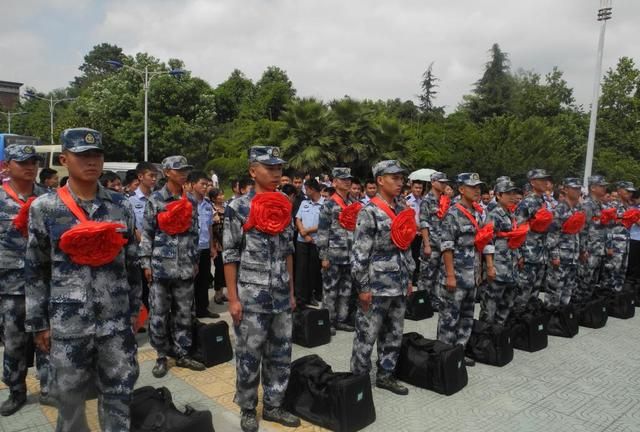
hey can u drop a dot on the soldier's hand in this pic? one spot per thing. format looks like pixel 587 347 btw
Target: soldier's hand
pixel 235 310
pixel 410 288
pixel 147 275
pixel 555 262
pixel 427 249
pixel 521 263
pixel 609 252
pixel 292 302
pixel 326 264
pixel 308 238
pixel 365 300
pixel 214 253
pixel 42 339
pixel 584 256
pixel 451 283
pixel 491 273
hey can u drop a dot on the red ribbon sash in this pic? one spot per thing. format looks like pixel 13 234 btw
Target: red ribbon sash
pixel 349 214
pixel 403 225
pixel 270 213
pixel 630 217
pixel 517 236
pixel 541 220
pixel 443 206
pixel 176 218
pixel 575 223
pixel 483 235
pixel 21 220
pixel 608 215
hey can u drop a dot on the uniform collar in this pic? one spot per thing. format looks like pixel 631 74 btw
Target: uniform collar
pixel 103 194
pixel 139 194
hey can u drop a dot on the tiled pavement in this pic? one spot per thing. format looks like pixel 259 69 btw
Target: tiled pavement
pixel 588 383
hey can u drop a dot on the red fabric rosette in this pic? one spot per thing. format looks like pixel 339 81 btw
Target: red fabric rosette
pixel 541 220
pixel 404 228
pixel 93 243
pixel 608 215
pixel 176 218
pixel 443 206
pixel 270 213
pixel 630 217
pixel 516 236
pixel 575 223
pixel 21 221
pixel 483 237
pixel 477 207
pixel 512 209
pixel 349 215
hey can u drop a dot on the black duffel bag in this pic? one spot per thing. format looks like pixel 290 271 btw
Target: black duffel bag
pixel 431 364
pixel 592 313
pixel 418 306
pixel 563 321
pixel 528 330
pixel 621 304
pixel 152 410
pixel 211 343
pixel 311 327
pixel 490 344
pixel 339 401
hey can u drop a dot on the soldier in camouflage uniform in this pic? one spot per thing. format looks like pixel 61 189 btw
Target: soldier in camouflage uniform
pixel 258 269
pixel 460 265
pixel 22 163
pixel 564 248
pixel 593 240
pixel 497 299
pixel 334 245
pixel 84 314
pixel 533 254
pixel 430 221
pixel 169 263
pixel 383 275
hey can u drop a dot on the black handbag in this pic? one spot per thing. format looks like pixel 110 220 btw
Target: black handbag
pixel 431 364
pixel 490 344
pixel 592 313
pixel 418 306
pixel 152 410
pixel 563 321
pixel 211 343
pixel 311 327
pixel 621 305
pixel 339 401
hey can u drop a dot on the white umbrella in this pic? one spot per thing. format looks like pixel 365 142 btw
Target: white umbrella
pixel 423 174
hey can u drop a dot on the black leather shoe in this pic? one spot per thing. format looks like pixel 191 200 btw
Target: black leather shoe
pixel 161 368
pixel 207 314
pixel 469 362
pixel 279 415
pixel 392 385
pixel 16 400
pixel 189 363
pixel 345 327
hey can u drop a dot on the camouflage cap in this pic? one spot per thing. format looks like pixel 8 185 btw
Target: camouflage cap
pixel 597 180
pixel 341 173
pixel 536 174
pixel 78 140
pixel 439 177
pixel 506 186
pixel 626 185
pixel 176 163
pixel 21 152
pixel 387 167
pixel 266 155
pixel 503 179
pixel 572 182
pixel 469 179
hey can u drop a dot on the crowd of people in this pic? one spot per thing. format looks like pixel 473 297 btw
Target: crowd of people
pixel 82 258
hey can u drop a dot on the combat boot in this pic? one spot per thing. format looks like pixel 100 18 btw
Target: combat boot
pixel 189 363
pixel 345 327
pixel 47 400
pixel 248 421
pixel 388 383
pixel 278 415
pixel 161 368
pixel 16 400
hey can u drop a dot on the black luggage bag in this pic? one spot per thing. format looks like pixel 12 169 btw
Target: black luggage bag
pixel 621 304
pixel 211 343
pixel 529 331
pixel 339 401
pixel 418 306
pixel 431 364
pixel 592 313
pixel 490 344
pixel 311 327
pixel 152 410
pixel 563 321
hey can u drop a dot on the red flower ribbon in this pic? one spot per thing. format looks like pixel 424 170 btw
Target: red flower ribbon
pixel 483 235
pixel 21 220
pixel 630 217
pixel 478 207
pixel 516 236
pixel 403 225
pixel 541 220
pixel 270 213
pixel 176 218
pixel 89 242
pixel 575 223
pixel 608 215
pixel 443 206
pixel 349 214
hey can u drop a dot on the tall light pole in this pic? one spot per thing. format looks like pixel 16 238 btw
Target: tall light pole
pixel 604 14
pixel 9 115
pixel 52 104
pixel 146 76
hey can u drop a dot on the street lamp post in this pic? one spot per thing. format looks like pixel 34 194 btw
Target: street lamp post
pixel 604 14
pixel 9 115
pixel 52 104
pixel 146 76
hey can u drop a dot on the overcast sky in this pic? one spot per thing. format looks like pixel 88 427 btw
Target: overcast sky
pixel 330 48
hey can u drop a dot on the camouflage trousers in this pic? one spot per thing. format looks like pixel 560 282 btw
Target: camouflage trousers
pixel 429 275
pixel 562 281
pixel 531 278
pixel 17 346
pixel 170 316
pixel 109 362
pixel 455 318
pixel 615 267
pixel 589 274
pixel 382 323
pixel 496 302
pixel 337 288
pixel 262 340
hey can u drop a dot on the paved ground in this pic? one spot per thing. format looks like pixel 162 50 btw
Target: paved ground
pixel 588 383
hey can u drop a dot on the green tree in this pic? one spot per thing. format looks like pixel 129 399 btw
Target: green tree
pixel 232 95
pixel 429 85
pixel 273 92
pixel 95 64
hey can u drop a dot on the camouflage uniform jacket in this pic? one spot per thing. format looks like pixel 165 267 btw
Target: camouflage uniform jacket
pixel 334 242
pixel 534 249
pixel 377 264
pixel 78 300
pixel 593 238
pixel 429 219
pixel 504 258
pixel 13 244
pixel 563 246
pixel 617 234
pixel 263 279
pixel 168 256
